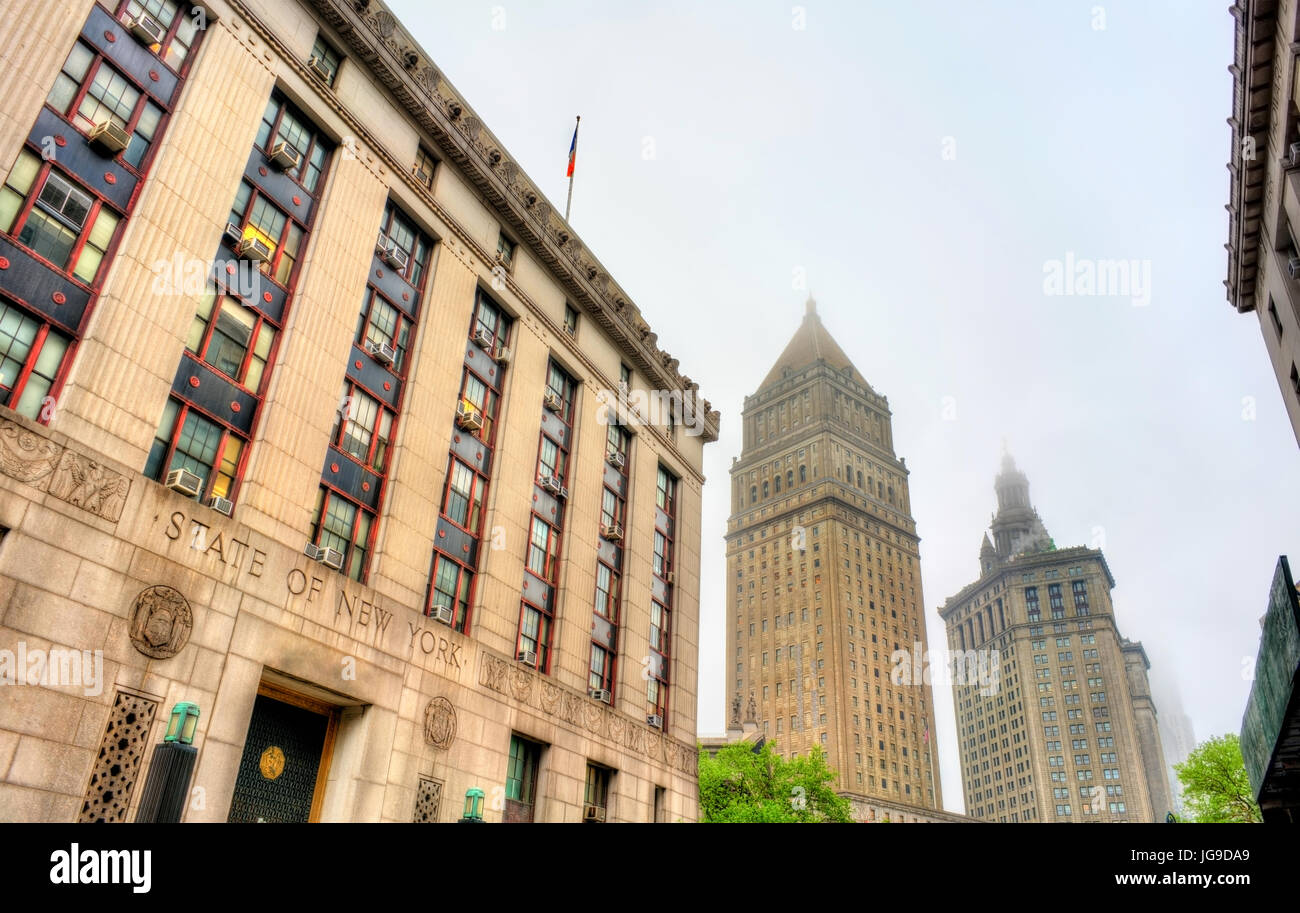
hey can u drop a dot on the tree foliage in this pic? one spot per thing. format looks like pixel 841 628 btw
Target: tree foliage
pixel 740 786
pixel 1216 789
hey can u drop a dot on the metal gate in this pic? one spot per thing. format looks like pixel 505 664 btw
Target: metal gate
pixel 286 757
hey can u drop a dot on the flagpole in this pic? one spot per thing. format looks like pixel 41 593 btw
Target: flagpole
pixel 569 203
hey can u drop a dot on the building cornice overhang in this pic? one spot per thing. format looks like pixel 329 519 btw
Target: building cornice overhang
pixel 1018 564
pixel 1252 87
pixel 376 40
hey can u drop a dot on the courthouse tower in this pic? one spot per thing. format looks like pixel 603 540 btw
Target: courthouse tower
pixel 824 580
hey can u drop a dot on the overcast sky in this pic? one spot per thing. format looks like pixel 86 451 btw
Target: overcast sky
pixel 923 164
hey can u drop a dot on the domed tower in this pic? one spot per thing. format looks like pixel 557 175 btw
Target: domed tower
pixel 1017 528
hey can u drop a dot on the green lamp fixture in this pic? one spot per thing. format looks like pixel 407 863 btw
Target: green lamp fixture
pixel 185 719
pixel 473 806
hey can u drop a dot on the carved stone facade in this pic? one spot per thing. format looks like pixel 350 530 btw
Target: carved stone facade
pixel 182 602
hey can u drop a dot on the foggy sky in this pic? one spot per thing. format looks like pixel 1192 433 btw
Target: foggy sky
pixel 725 153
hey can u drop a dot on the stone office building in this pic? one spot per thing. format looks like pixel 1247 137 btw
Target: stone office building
pixel 1055 720
pixel 824 582
pixel 314 413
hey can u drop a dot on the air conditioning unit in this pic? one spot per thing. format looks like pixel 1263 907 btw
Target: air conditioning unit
pixel 614 458
pixel 502 355
pixel 594 813
pixel 222 505
pixel 655 720
pixel 670 577
pixel 527 657
pixel 147 30
pixel 320 68
pixel 552 401
pixel 482 338
pixel 444 614
pixel 600 694
pixel 109 137
pixel 468 417
pixel 284 156
pixel 1293 158
pixel 313 551
pixel 1293 267
pixel 332 558
pixel 613 532
pixel 381 352
pixel 253 248
pixel 184 481
pixel 552 484
pixel 393 255
pixel 234 234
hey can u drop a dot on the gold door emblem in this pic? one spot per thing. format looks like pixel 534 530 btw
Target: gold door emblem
pixel 272 763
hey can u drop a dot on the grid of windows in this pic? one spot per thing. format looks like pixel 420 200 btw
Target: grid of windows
pixel 521 777
pixel 181 21
pixel 662 593
pixel 31 351
pixel 538 606
pixel 326 60
pixel 281 123
pixel 451 579
pixel 232 338
pixel 609 558
pixel 187 439
pixel 424 167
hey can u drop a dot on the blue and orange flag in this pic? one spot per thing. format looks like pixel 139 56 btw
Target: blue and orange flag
pixel 573 150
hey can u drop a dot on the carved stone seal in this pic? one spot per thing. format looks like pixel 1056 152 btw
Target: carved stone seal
pixel 161 622
pixel 440 723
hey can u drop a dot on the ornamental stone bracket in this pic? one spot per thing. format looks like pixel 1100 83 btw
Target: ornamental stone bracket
pixel 28 455
pixel 580 712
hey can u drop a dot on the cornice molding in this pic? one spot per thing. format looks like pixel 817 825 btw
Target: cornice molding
pixel 376 39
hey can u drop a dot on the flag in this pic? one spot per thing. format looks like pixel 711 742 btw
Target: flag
pixel 573 153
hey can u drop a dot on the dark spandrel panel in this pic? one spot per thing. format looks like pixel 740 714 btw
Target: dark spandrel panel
pixel 91 169
pixel 243 280
pixel 548 507
pixel 130 56
pixel 36 285
pixel 287 193
pixel 277 772
pixel 611 554
pixel 658 665
pixel 484 368
pixel 537 592
pixel 351 478
pixel 219 397
pixel 665 524
pixel 615 480
pixel 455 543
pixel 554 428
pixel 469 449
pixel 393 287
pixel 602 632
pixel 374 376
pixel 659 590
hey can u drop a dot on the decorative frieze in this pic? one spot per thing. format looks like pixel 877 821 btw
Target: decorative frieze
pixel 514 681
pixel 32 458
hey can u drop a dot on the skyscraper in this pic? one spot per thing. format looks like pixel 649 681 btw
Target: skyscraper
pixel 1054 713
pixel 824 580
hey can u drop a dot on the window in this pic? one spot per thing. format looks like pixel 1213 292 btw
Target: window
pixel 255 216
pixel 382 323
pixel 344 526
pixel 51 216
pixel 597 792
pixel 326 59
pixel 179 19
pixel 31 352
pixel 188 440
pixel 363 428
pixel 490 320
pixel 462 502
pixel 505 251
pixel 624 374
pixel 90 91
pixel 1080 588
pixel 607 586
pixel 281 123
pixel 232 338
pixel 402 232
pixel 1031 602
pixel 477 395
pixel 450 586
pixel 570 320
pixel 521 773
pixel 424 167
pixel 543 549
pixel 1055 600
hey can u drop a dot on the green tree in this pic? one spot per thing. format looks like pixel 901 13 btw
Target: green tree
pixel 1215 787
pixel 741 786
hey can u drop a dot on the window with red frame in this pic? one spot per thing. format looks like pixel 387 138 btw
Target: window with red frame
pixel 232 338
pixel 188 439
pixel 181 22
pixel 90 91
pixel 605 628
pixel 255 215
pixel 363 428
pixel 410 240
pixel 52 215
pixel 31 351
pixel 345 526
pixel 281 123
pixel 661 611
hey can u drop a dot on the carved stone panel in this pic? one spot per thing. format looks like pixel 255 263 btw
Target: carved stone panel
pixel 161 622
pixel 440 723
pixel 428 799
